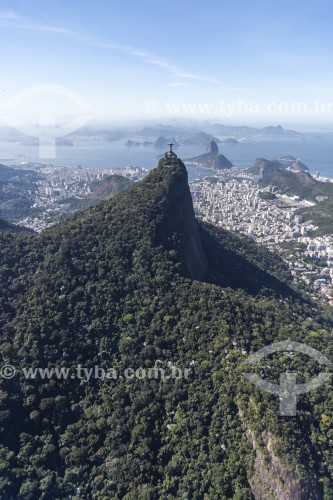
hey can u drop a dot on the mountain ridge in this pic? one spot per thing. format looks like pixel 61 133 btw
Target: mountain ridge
pixel 125 284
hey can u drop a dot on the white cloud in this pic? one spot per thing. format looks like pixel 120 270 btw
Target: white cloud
pixel 9 19
pixel 171 68
pixel 177 84
pixel 111 46
pixel 155 60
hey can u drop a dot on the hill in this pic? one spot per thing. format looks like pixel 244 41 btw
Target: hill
pixel 7 226
pixel 105 189
pixel 212 158
pixel 15 200
pixel 109 187
pixel 136 283
pixel 8 174
pixel 321 215
pixel 299 182
pixel 230 141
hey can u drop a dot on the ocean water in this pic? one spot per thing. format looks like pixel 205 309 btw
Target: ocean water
pixel 315 149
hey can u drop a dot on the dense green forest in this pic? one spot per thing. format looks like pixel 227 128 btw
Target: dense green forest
pixel 137 282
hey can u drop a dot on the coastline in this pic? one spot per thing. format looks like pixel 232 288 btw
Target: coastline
pixel 316 153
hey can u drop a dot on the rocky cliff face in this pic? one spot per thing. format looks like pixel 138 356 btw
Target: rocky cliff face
pixel 212 148
pixel 272 479
pixel 179 217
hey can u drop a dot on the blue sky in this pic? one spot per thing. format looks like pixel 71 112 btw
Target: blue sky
pixel 232 61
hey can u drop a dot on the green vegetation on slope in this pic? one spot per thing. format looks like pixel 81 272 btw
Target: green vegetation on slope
pixel 300 184
pixel 110 288
pixel 7 226
pixel 103 190
pixel 321 215
pixel 7 174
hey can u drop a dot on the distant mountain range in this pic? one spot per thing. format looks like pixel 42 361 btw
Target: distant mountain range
pixel 161 142
pixel 240 131
pixel 185 132
pixel 228 135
